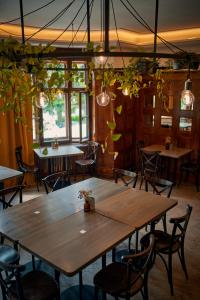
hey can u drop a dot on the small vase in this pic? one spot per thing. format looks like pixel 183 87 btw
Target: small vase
pixel 91 201
pixel 86 206
pixel 167 145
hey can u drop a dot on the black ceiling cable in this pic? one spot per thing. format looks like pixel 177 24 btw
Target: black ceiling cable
pixel 52 21
pixel 120 48
pixel 66 28
pixel 149 28
pixel 59 15
pixel 90 17
pixel 74 36
pixel 145 23
pixel 27 14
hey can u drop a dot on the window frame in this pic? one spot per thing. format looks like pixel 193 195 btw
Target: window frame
pixel 68 90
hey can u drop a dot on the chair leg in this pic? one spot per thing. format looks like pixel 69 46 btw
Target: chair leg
pixel 182 260
pixel 164 223
pixel 170 279
pixel 141 182
pixel 37 181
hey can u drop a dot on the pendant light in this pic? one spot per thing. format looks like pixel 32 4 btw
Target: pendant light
pixel 187 96
pixel 42 101
pixel 125 92
pixel 103 98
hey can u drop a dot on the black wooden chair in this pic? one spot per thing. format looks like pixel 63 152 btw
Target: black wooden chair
pixel 88 163
pixel 159 186
pixel 150 164
pixel 193 168
pixel 34 285
pixel 127 177
pixel 7 195
pixel 127 278
pixel 25 168
pixel 168 244
pixel 56 181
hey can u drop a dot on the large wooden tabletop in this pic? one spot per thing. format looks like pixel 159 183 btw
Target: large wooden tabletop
pixel 175 152
pixel 55 228
pixel 61 151
pixel 7 173
pixel 135 208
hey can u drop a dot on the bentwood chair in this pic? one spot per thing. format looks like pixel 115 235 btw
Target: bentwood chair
pixel 150 164
pixel 127 178
pixel 25 168
pixel 160 187
pixel 7 195
pixel 34 285
pixel 56 181
pixel 168 244
pixel 125 279
pixel 193 168
pixel 89 161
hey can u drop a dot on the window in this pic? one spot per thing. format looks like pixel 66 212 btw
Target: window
pixel 66 117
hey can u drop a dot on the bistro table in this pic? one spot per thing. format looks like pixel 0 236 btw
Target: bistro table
pixel 175 154
pixel 7 173
pixel 55 228
pixel 67 152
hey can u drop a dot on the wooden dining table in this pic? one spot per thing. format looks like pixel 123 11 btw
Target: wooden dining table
pixel 64 152
pixel 8 173
pixel 176 154
pixel 56 229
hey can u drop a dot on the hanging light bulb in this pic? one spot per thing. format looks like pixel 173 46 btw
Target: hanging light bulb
pixel 187 96
pixel 103 99
pixel 125 92
pixel 42 101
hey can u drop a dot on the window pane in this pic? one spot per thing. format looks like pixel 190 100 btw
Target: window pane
pixel 149 120
pixel 75 115
pixel 84 115
pixel 185 124
pixel 54 118
pixel 166 121
pixel 79 78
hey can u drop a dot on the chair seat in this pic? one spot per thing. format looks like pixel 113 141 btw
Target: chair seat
pixel 85 162
pixel 113 279
pixel 38 285
pixel 8 254
pixel 163 242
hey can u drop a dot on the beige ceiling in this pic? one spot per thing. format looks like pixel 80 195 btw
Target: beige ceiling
pixel 174 17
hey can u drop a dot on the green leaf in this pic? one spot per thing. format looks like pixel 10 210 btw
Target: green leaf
pixel 45 151
pixel 111 125
pixel 35 145
pixel 119 109
pixel 116 137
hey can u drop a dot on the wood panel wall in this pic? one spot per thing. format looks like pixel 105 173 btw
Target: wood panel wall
pixel 134 122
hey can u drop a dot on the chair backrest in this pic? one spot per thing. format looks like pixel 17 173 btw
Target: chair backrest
pixel 180 226
pixel 139 145
pixel 150 162
pixel 91 150
pixel 141 261
pixel 19 160
pixel 10 281
pixel 127 177
pixel 159 185
pixel 56 181
pixel 7 195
